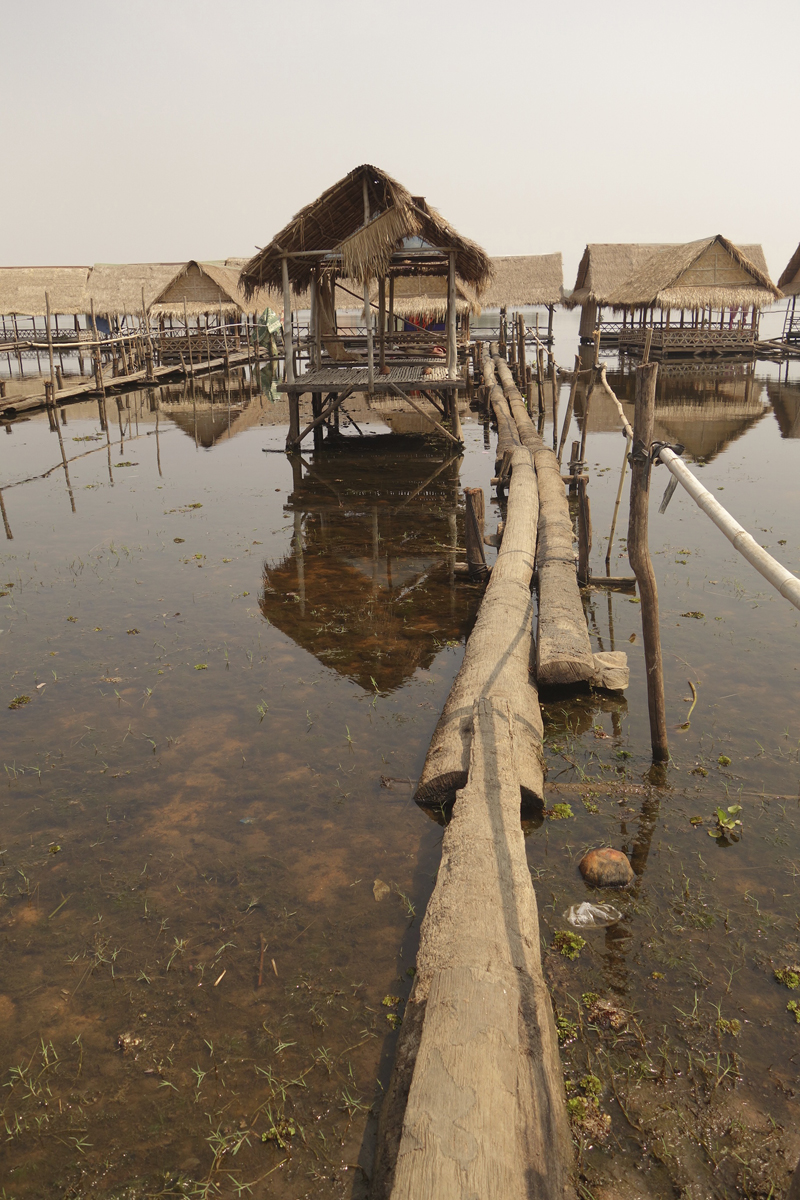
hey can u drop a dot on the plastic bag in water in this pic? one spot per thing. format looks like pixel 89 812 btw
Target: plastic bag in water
pixel 592 916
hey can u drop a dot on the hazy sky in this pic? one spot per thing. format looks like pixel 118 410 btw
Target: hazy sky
pixel 172 130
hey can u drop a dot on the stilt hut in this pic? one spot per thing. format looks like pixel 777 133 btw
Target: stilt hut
pixel 695 298
pixel 366 228
pixel 526 281
pixel 207 298
pixel 789 283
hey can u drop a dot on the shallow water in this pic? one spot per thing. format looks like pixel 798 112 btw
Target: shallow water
pixel 213 771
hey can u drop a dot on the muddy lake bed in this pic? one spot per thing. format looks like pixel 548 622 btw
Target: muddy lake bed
pixel 221 673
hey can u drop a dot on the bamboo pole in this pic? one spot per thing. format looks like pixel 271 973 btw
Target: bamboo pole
pixel 570 407
pixel 639 555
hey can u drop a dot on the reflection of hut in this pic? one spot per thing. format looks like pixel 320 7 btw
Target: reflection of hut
pixel 526 281
pixel 785 401
pixel 367 227
pixel 703 412
pixel 789 283
pixel 708 295
pixel 368 587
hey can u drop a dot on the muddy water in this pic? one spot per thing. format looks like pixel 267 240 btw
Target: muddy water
pixel 233 670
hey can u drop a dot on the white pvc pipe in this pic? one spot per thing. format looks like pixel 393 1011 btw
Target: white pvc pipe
pixel 787 584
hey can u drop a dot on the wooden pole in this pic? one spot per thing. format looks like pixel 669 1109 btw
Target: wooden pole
pixel 287 323
pixel 382 324
pixel 50 347
pixel 391 304
pixel 452 353
pixel 584 532
pixel 554 389
pixel 474 525
pixel 189 342
pixel 639 555
pixel 540 376
pixel 367 305
pixel 98 358
pixel 570 407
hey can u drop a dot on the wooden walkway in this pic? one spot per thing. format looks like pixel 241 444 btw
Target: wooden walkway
pixel 116 384
pixel 356 379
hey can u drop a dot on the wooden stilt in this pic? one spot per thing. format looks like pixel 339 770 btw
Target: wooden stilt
pixel 639 555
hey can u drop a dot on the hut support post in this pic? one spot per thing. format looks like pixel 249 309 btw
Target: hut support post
pixel 639 554
pixel 317 323
pixel 189 342
pixel 391 322
pixel 367 307
pixel 287 333
pixel 382 322
pixel 452 356
pixel 98 360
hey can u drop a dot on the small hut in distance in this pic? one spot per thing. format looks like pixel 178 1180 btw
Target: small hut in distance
pixel 789 283
pixel 708 293
pixel 526 281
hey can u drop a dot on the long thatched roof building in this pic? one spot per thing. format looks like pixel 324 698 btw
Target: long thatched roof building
pixel 524 281
pixel 22 290
pixel 789 282
pixel 694 280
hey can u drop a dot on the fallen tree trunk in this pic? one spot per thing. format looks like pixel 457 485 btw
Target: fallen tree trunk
pixel 497 659
pixel 563 651
pixel 485 1114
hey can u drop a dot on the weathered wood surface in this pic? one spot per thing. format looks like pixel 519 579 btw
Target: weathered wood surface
pixel 563 651
pixel 507 436
pixel 497 659
pixel 486 1110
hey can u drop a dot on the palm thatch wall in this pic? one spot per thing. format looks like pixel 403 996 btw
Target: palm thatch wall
pixel 710 273
pixel 524 280
pixel 22 290
pixel 789 282
pixel 334 224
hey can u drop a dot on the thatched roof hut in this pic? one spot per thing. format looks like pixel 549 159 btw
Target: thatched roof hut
pixel 22 290
pixel 789 282
pixel 402 236
pixel 205 287
pixel 524 281
pixel 710 273
pixel 691 275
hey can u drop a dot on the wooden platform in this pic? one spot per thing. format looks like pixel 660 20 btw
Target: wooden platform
pixel 408 376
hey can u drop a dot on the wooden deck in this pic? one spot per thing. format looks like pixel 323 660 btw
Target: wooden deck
pixel 412 376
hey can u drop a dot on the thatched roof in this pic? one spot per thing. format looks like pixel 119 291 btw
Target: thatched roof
pixel 426 296
pixel 710 273
pixel 205 287
pixel 688 275
pixel 333 228
pixel 524 280
pixel 117 287
pixel 789 282
pixel 22 290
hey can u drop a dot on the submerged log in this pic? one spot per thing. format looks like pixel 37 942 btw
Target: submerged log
pixel 485 1114
pixel 563 651
pixel 497 658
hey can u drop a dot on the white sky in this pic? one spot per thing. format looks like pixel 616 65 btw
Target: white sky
pixel 167 129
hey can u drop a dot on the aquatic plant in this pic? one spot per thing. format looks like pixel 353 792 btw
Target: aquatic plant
pixel 569 945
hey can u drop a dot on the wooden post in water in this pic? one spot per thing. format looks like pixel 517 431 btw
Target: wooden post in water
pixel 367 306
pixel 584 532
pixel 452 353
pixel 521 359
pixel 474 525
pixel 540 376
pixel 639 555
pixel 50 347
pixel 189 342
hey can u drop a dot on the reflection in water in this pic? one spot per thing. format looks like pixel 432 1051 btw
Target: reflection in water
pixel 705 411
pixel 369 586
pixel 785 401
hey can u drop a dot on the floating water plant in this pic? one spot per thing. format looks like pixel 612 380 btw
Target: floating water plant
pixel 794 1008
pixel 569 945
pixel 727 824
pixel 19 701
pixel 789 977
pixel 559 812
